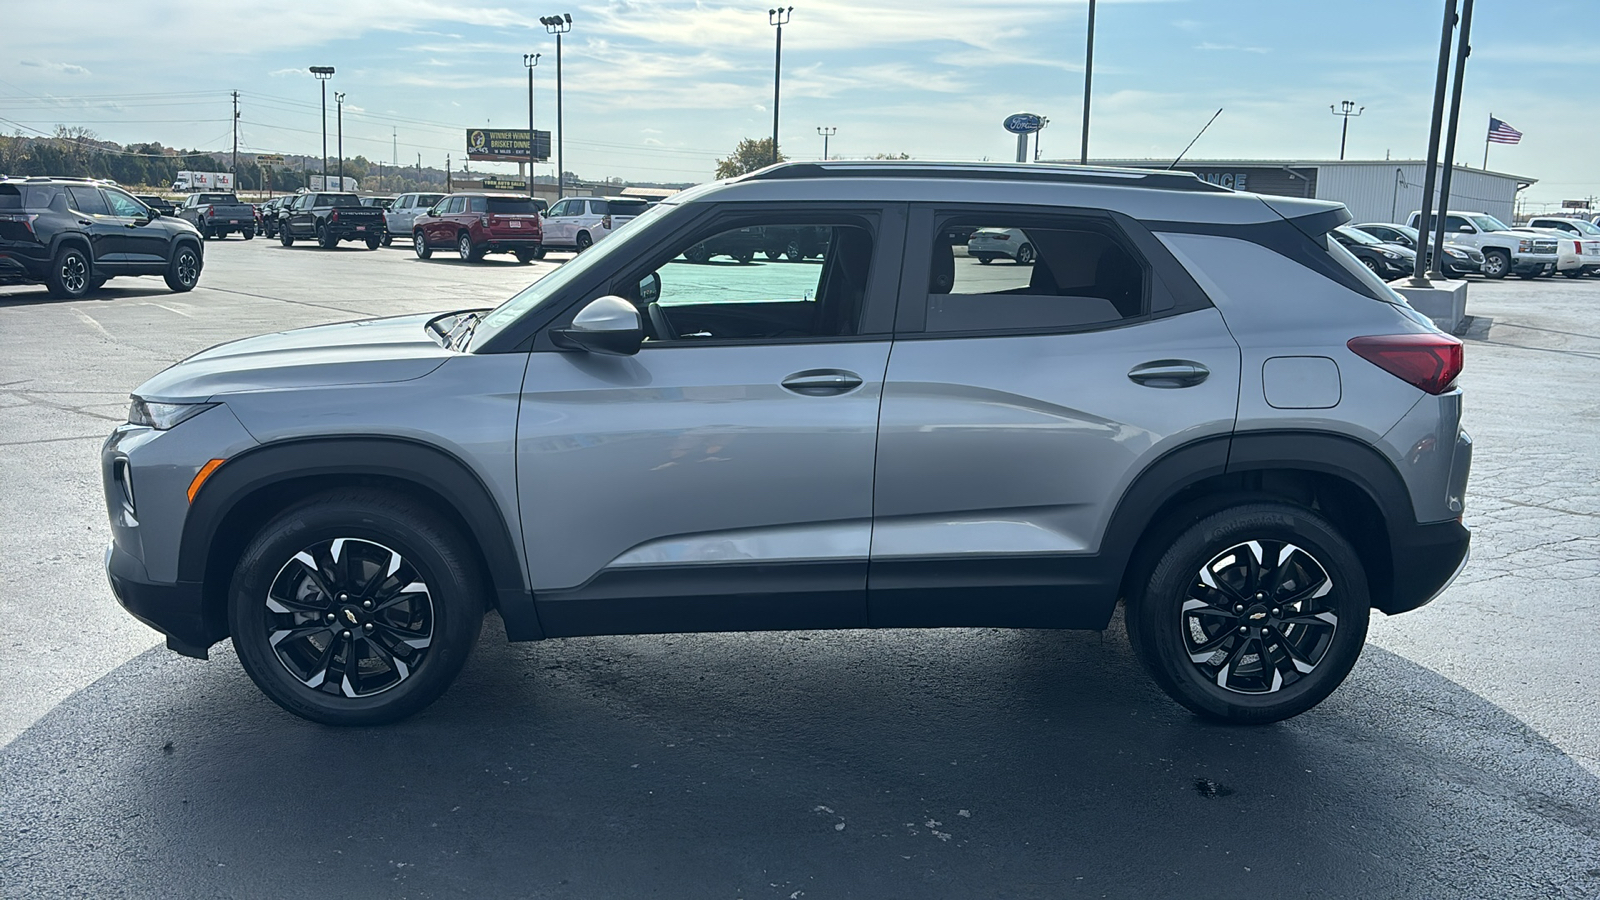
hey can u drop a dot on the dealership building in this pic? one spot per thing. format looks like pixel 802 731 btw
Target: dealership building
pixel 1383 190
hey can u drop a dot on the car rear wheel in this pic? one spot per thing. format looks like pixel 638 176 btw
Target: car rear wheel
pixel 248 233
pixel 526 255
pixel 183 270
pixel 1496 264
pixel 697 254
pixel 584 242
pixel 374 242
pixel 355 607
pixel 325 240
pixel 420 245
pixel 1025 255
pixel 1252 614
pixel 464 246
pixel 70 274
pixel 794 252
pixel 745 256
pixel 773 254
pixel 387 238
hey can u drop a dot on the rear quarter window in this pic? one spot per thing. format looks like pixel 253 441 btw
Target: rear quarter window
pixel 10 196
pixel 512 206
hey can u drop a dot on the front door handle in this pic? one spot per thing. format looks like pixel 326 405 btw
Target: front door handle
pixel 1169 373
pixel 822 382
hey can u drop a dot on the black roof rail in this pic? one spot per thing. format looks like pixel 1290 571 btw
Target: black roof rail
pixel 1145 178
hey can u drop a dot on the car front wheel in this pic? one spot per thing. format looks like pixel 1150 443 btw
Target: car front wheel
pixel 1252 614
pixel 355 607
pixel 1496 264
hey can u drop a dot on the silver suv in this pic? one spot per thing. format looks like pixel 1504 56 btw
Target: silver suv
pixel 1188 399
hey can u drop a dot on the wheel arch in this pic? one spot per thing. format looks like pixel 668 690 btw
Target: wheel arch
pixel 249 489
pixel 76 238
pixel 1345 480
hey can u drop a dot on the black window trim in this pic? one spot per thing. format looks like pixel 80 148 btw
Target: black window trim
pixel 1169 289
pixel 532 332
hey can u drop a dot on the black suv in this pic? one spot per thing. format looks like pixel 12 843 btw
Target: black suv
pixel 74 234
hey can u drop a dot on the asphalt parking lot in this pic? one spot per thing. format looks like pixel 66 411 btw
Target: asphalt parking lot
pixel 1461 759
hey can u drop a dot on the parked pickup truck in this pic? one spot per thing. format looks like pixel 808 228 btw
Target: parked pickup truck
pixel 329 219
pixel 1505 250
pixel 219 215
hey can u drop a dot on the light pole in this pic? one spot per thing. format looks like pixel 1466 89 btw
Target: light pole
pixel 1447 30
pixel 323 73
pixel 780 18
pixel 1088 83
pixel 1463 49
pixel 558 25
pixel 1347 109
pixel 531 60
pixel 338 99
pixel 827 131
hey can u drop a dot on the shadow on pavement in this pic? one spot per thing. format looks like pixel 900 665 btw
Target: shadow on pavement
pixel 960 763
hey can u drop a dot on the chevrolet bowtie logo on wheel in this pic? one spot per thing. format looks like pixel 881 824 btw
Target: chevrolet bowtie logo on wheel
pixel 350 617
pixel 1254 617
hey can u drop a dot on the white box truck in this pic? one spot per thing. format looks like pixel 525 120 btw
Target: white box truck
pixel 332 183
pixel 190 182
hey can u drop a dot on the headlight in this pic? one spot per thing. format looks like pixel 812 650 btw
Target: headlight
pixel 1451 251
pixel 162 416
pixel 1524 246
pixel 1391 254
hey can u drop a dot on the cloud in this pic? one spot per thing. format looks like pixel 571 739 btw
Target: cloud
pixel 63 68
pixel 1234 48
pixel 288 72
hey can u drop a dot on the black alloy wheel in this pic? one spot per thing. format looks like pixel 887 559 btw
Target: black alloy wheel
pixel 70 274
pixel 284 237
pixel 325 240
pixel 183 270
pixel 355 607
pixel 1253 614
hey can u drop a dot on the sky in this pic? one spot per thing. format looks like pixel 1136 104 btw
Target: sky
pixel 657 90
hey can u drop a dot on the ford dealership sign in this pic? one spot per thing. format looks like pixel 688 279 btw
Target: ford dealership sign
pixel 1023 123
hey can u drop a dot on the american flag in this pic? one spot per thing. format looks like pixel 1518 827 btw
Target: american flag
pixel 1501 133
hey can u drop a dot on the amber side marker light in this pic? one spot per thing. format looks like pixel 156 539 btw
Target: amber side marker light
pixel 201 476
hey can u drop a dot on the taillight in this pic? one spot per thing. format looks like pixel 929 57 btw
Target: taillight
pixel 211 210
pixel 1577 247
pixel 1429 362
pixel 23 219
pixel 605 222
pixel 333 217
pixel 484 221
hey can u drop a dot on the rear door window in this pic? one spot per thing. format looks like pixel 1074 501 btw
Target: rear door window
pixel 86 199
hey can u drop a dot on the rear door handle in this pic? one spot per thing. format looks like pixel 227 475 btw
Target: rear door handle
pixel 1169 373
pixel 822 382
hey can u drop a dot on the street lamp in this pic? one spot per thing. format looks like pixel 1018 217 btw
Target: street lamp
pixel 826 132
pixel 780 18
pixel 558 25
pixel 323 73
pixel 338 99
pixel 1347 109
pixel 530 60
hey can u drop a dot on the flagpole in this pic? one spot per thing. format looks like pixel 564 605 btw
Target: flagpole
pixel 1486 142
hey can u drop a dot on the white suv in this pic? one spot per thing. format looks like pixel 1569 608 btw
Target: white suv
pixel 578 222
pixel 403 212
pixel 1586 237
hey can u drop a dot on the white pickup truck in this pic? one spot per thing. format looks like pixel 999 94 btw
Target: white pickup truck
pixel 1506 250
pixel 1584 234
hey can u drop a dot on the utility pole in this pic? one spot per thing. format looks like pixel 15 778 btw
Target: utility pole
pixel 235 167
pixel 449 187
pixel 778 17
pixel 1088 85
pixel 531 60
pixel 1345 109
pixel 558 26
pixel 826 132
pixel 394 150
pixel 338 99
pixel 1419 274
pixel 419 169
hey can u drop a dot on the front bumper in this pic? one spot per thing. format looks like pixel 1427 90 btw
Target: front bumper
pixel 175 610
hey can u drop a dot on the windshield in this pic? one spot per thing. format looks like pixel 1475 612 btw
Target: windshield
pixel 1489 223
pixel 1406 230
pixel 1356 235
pixel 537 293
pixel 1584 227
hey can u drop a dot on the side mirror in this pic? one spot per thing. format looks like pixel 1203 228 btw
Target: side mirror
pixel 608 325
pixel 151 213
pixel 650 288
pixel 1466 229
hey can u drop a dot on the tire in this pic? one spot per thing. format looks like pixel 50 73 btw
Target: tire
pixel 465 250
pixel 1496 264
pixel 285 238
pixel 387 238
pixel 374 243
pixel 1183 617
pixel 98 282
pixel 420 246
pixel 772 255
pixel 183 269
pixel 985 260
pixel 525 255
pixel 325 240
pixel 584 242
pixel 1530 274
pixel 70 273
pixel 794 252
pixel 1025 255
pixel 385 546
pixel 697 254
pixel 248 233
pixel 205 231
pixel 539 252
pixel 1574 273
pixel 745 257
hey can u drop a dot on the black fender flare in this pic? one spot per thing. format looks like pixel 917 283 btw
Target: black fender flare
pixel 327 461
pixel 73 237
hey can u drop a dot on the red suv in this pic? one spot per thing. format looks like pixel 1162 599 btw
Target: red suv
pixel 475 224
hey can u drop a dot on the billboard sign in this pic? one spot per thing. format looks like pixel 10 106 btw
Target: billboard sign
pixel 506 144
pixel 504 184
pixel 269 159
pixel 1023 123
